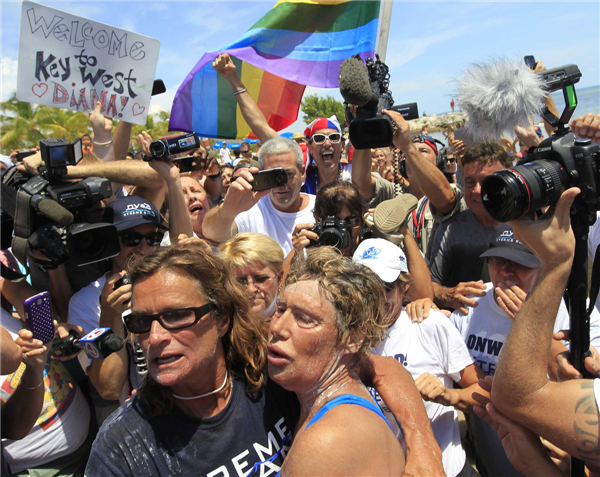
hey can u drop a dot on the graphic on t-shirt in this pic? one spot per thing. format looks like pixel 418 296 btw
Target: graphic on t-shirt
pixel 59 391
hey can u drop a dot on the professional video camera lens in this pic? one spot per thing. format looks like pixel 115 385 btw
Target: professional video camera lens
pixel 90 243
pixel 512 193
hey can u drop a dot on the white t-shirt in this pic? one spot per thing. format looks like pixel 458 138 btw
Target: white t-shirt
pixel 593 241
pixel 265 219
pixel 435 347
pixel 485 327
pixel 63 423
pixel 225 155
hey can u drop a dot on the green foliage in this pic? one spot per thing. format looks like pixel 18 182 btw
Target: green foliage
pixel 314 106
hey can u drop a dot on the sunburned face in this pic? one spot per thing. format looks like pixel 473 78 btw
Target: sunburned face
pixel 303 351
pixel 197 201
pixel 260 284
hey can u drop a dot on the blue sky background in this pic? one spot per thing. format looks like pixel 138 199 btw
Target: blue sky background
pixel 430 43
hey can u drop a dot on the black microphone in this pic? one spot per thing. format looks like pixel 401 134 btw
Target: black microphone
pixel 354 82
pixel 97 344
pixel 52 209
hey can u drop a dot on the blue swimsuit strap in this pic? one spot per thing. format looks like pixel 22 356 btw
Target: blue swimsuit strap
pixel 348 399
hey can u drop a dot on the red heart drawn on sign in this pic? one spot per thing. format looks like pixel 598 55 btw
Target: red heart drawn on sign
pixel 39 89
pixel 137 109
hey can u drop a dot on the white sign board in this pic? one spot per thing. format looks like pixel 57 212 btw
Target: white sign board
pixel 70 62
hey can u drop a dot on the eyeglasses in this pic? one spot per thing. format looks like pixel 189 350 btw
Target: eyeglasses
pixel 258 281
pixel 245 151
pixel 133 239
pixel 169 320
pixel 334 138
pixel 500 262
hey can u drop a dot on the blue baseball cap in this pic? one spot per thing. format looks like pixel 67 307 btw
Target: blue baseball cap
pixel 505 245
pixel 128 212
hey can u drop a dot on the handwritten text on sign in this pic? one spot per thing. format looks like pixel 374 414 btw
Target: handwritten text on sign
pixel 71 62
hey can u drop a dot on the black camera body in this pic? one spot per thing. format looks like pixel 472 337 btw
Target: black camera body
pixel 560 162
pixel 370 129
pixel 333 232
pixel 164 149
pixel 57 154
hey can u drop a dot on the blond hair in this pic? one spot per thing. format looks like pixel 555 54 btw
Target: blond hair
pixel 252 248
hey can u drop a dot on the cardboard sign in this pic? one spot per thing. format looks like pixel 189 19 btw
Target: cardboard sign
pixel 70 62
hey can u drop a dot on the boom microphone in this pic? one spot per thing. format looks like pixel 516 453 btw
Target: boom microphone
pixel 53 210
pixel 354 82
pixel 498 96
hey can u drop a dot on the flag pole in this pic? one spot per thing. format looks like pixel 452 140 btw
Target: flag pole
pixel 384 28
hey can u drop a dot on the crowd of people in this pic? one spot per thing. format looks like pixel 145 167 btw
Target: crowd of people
pixel 334 325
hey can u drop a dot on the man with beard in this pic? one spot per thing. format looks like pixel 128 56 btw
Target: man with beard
pixel 138 224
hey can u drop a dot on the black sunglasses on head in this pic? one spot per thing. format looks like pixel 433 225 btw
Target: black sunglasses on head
pixel 169 320
pixel 133 239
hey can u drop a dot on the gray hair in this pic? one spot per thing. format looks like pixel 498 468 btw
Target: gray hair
pixel 278 146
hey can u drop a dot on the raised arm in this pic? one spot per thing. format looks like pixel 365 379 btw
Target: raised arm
pixel 102 127
pixel 250 110
pixel 219 223
pixel 521 388
pixel 429 179
pixel 361 173
pixel 421 286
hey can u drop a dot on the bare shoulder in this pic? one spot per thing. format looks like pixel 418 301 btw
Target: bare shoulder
pixel 348 440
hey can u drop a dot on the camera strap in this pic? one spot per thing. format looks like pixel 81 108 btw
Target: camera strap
pixel 22 229
pixel 595 285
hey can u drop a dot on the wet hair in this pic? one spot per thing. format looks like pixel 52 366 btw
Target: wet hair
pixel 252 248
pixel 278 146
pixel 354 290
pixel 245 341
pixel 486 153
pixel 332 198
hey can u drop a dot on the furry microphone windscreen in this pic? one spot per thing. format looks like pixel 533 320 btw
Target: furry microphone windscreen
pixel 498 96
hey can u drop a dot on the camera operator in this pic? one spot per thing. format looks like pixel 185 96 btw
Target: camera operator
pixel 427 182
pixel 521 388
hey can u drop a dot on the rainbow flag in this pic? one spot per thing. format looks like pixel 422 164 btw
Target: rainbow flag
pixel 296 44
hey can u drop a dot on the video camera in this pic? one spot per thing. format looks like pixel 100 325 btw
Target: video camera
pixel 367 86
pixel 333 232
pixel 55 204
pixel 560 162
pixel 164 149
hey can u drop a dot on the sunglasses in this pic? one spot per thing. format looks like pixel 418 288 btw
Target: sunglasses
pixel 246 151
pixel 500 262
pixel 169 320
pixel 258 281
pixel 334 138
pixel 451 160
pixel 351 220
pixel 389 286
pixel 133 239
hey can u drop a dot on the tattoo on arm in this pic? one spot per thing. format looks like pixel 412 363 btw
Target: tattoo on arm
pixel 586 424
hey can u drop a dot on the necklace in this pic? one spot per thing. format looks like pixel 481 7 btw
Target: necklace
pixel 317 183
pixel 183 398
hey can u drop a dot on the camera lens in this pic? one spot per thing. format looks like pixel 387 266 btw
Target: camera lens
pixel 158 149
pixel 512 193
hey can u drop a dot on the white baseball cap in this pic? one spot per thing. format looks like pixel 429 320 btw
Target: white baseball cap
pixel 386 259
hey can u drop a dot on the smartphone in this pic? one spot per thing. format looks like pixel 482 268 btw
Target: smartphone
pixel 530 62
pixel 38 316
pixel 463 135
pixel 24 154
pixel 269 179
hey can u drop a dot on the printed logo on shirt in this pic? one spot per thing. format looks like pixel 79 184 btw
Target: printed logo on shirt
pixel 479 346
pixel 402 358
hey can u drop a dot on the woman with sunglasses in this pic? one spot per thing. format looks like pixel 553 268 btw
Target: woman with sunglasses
pixel 206 406
pixel 256 263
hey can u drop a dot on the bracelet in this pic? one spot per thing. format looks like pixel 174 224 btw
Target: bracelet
pixel 33 387
pixel 103 143
pixel 240 91
pixel 215 177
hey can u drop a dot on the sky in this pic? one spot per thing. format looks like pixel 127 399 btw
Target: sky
pixel 430 43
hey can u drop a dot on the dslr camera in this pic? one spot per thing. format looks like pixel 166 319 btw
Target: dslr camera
pixel 333 232
pixel 370 129
pixel 164 149
pixel 560 162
